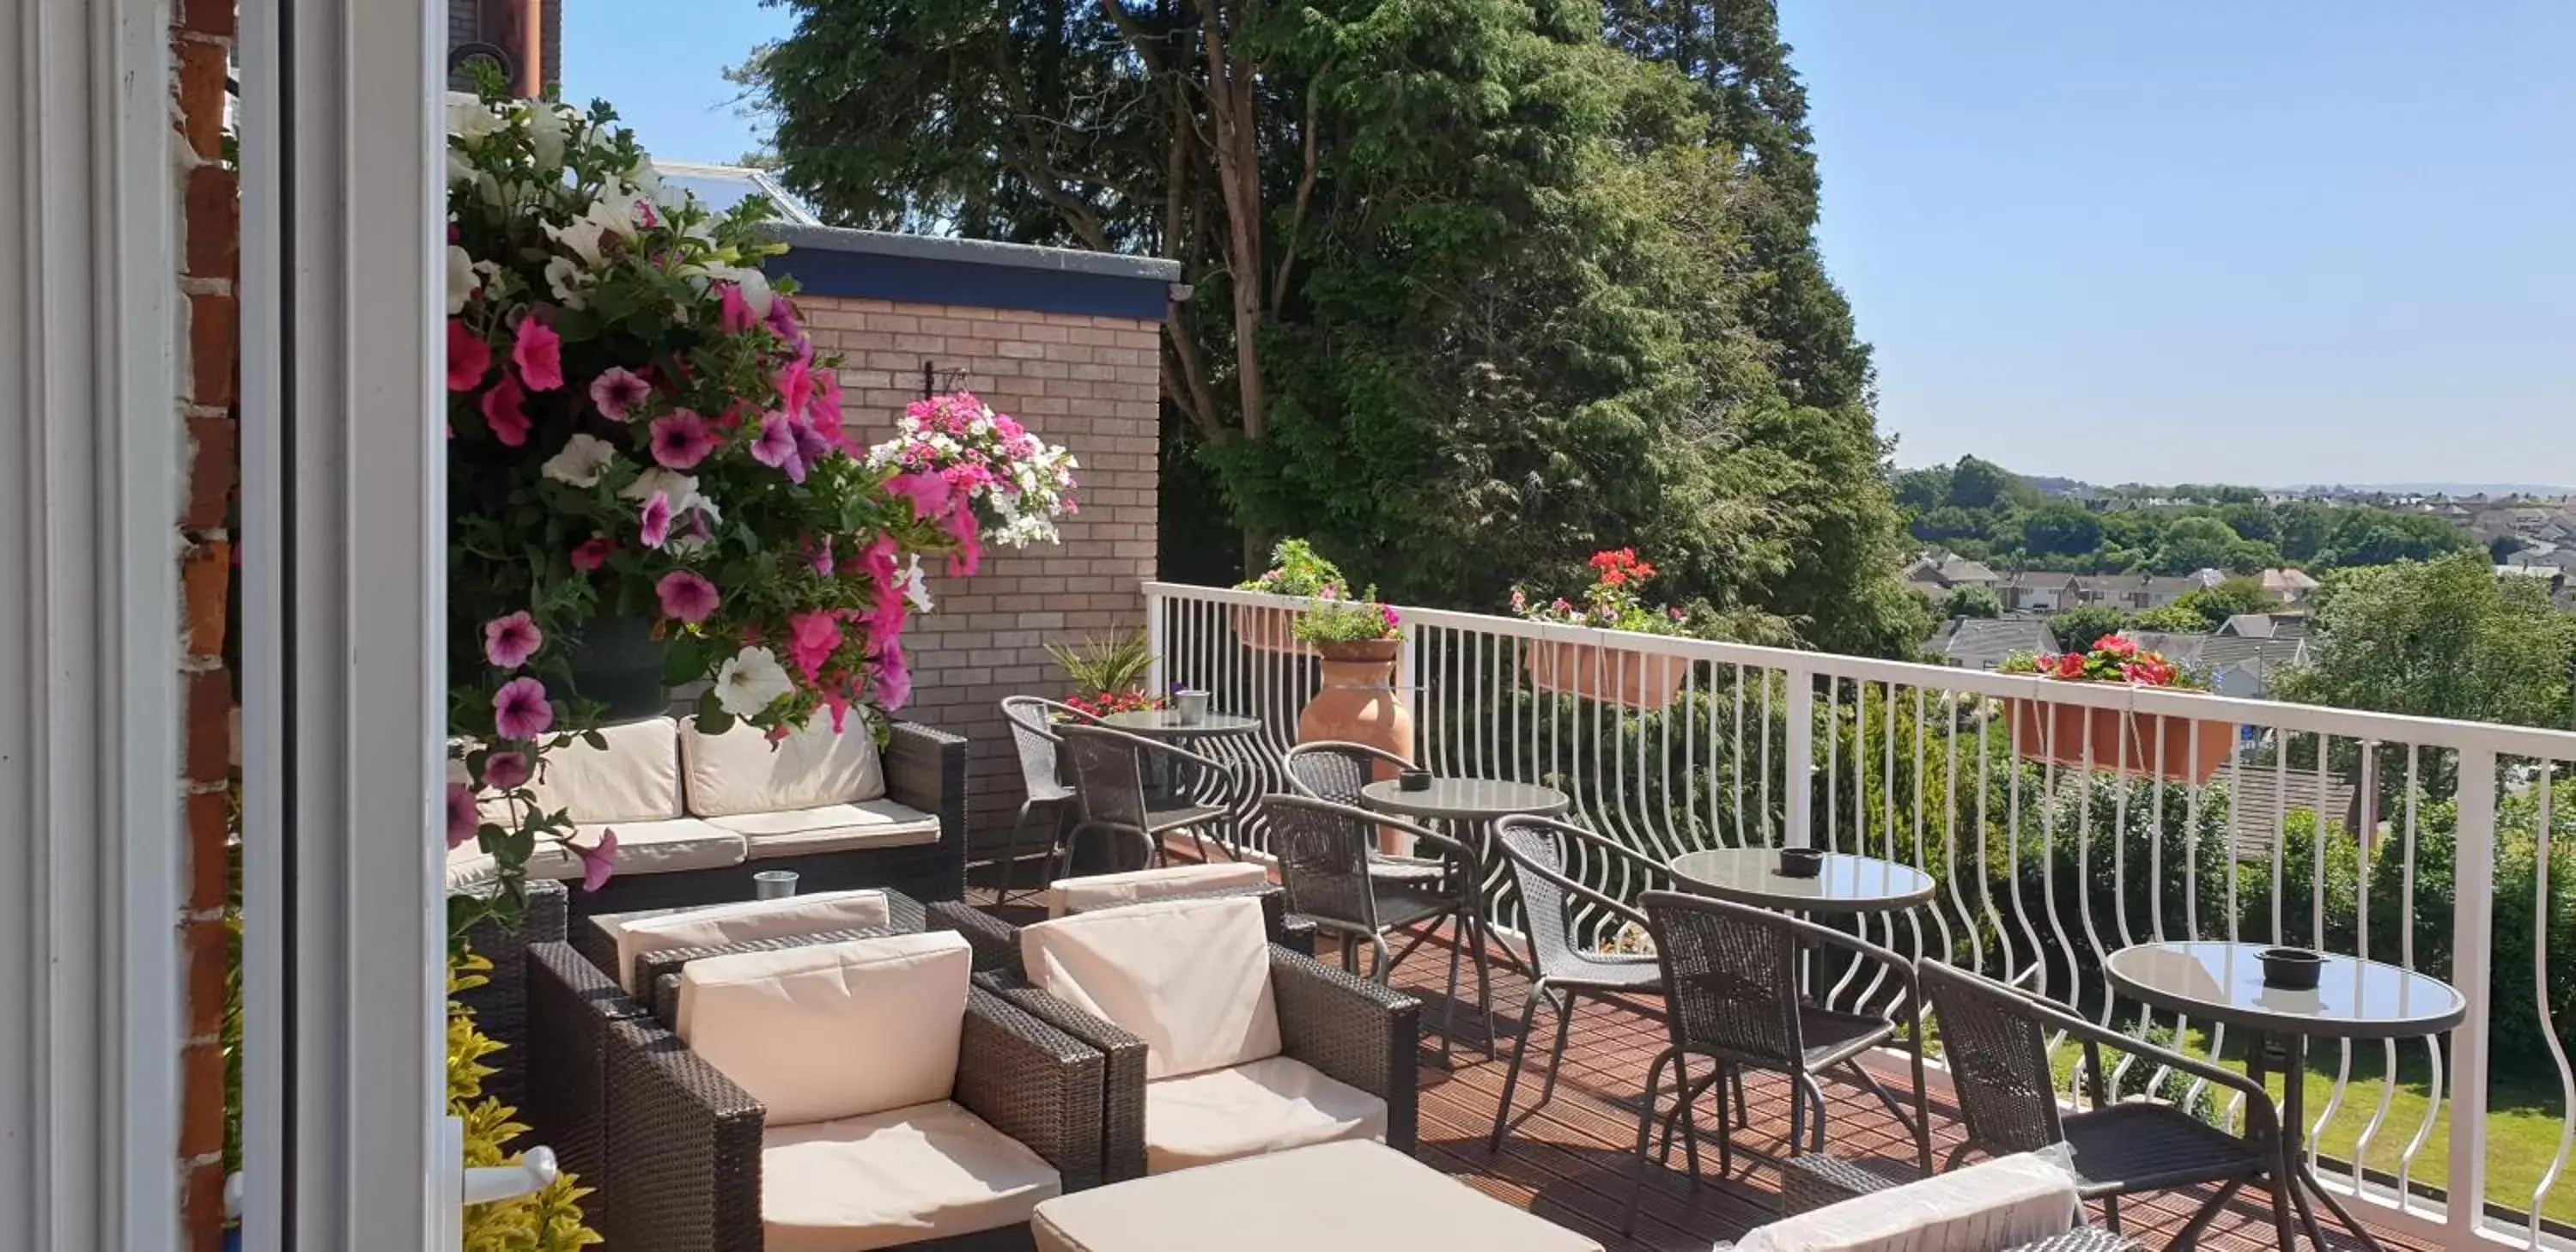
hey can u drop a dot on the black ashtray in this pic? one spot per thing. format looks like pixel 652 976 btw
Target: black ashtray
pixel 1801 862
pixel 1413 780
pixel 2291 969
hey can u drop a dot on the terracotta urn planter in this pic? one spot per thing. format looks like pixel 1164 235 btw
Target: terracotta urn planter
pixel 1265 629
pixel 2190 750
pixel 1359 704
pixel 1631 680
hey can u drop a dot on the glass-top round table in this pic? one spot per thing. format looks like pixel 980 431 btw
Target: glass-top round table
pixel 2353 999
pixel 1167 724
pixel 1845 883
pixel 1465 799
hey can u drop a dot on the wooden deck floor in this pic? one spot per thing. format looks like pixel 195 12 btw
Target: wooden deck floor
pixel 1570 1160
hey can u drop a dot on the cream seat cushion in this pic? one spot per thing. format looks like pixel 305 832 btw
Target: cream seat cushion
pixel 929 1171
pixel 834 1030
pixel 1189 977
pixel 832 828
pixel 635 779
pixel 664 847
pixel 1267 1106
pixel 1094 892
pixel 740 771
pixel 748 922
pixel 2001 1203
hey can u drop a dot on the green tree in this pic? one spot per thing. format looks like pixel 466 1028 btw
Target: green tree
pixel 2196 543
pixel 2215 605
pixel 2175 618
pixel 1976 484
pixel 2379 537
pixel 2060 528
pixel 1919 491
pixel 2252 520
pixel 2444 638
pixel 2305 527
pixel 2080 626
pixel 1973 601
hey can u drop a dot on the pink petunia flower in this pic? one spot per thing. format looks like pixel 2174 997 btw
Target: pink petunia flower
pixel 539 355
pixel 686 596
pixel 520 711
pixel 970 543
pixel 818 556
pixel 782 319
pixel 928 493
pixel 824 409
pixel 736 315
pixel 509 641
pixel 506 771
pixel 878 559
pixel 681 439
pixel 812 639
pixel 503 412
pixel 591 553
pixel 894 680
pixel 775 446
pixel 795 387
pixel 598 861
pixel 468 357
pixel 461 817
pixel 657 520
pixel 812 445
pixel 618 392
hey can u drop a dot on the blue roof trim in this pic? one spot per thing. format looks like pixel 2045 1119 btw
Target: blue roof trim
pixel 918 269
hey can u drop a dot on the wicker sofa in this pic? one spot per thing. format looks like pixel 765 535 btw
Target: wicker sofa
pixel 697 815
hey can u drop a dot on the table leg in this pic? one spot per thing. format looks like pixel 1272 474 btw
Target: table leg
pixel 2304 1183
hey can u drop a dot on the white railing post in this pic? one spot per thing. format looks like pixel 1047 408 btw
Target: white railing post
pixel 2472 944
pixel 1798 773
pixel 1155 679
pixel 1408 670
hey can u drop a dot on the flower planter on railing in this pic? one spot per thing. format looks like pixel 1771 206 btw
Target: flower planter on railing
pixel 1590 671
pixel 1264 629
pixel 2179 749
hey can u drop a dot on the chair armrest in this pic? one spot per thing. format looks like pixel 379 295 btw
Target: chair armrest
pixel 1899 968
pixel 684 1150
pixel 1034 1083
pixel 996 942
pixel 658 972
pixel 1122 1083
pixel 1353 1031
pixel 926 769
pixel 570 1005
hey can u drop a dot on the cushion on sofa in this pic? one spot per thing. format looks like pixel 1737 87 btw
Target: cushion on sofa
pixel 668 847
pixel 636 779
pixel 1094 892
pixel 2002 1203
pixel 834 1030
pixel 1267 1106
pixel 747 922
pixel 832 828
pixel 929 1171
pixel 740 771
pixel 1189 977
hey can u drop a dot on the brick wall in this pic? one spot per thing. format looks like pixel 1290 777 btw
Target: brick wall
pixel 209 226
pixel 1086 382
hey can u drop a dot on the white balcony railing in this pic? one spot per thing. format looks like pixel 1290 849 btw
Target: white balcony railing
pixel 2057 864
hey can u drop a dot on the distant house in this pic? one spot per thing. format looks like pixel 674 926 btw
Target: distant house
pixel 2232 665
pixel 2039 592
pixel 1935 575
pixel 2263 796
pixel 1975 643
pixel 2140 592
pixel 2287 586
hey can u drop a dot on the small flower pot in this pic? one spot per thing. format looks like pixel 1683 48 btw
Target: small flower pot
pixel 2291 969
pixel 1414 780
pixel 1587 671
pixel 1801 862
pixel 2178 749
pixel 1266 629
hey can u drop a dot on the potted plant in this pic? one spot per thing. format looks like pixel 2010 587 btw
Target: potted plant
pixel 1109 675
pixel 2182 749
pixel 1296 569
pixel 1357 642
pixel 1604 671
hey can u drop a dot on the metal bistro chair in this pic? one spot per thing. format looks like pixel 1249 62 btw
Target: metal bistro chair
pixel 1033 723
pixel 1335 771
pixel 1109 792
pixel 1730 979
pixel 1995 1039
pixel 1325 852
pixel 1538 851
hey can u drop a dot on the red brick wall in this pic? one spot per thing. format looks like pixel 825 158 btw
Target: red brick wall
pixel 1086 382
pixel 209 242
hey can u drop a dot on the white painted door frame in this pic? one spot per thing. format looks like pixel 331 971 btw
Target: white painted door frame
pixel 344 625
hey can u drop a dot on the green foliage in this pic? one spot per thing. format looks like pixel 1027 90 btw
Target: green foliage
pixel 1296 569
pixel 2081 626
pixel 2214 605
pixel 1973 601
pixel 1101 666
pixel 2175 618
pixel 2060 528
pixel 2445 638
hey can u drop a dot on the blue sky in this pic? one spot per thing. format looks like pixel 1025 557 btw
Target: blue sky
pixel 2264 243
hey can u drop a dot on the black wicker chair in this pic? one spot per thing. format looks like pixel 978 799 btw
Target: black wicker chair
pixel 1729 976
pixel 1335 771
pixel 1539 852
pixel 1109 793
pixel 500 1005
pixel 1995 1039
pixel 1044 794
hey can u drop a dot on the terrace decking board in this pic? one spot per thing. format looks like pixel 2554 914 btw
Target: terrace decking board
pixel 1570 1161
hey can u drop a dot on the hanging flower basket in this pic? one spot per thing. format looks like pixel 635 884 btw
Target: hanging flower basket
pixel 1632 680
pixel 2179 749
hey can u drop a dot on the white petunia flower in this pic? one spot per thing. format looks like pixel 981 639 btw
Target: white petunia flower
pixel 568 280
pixel 751 681
pixel 549 128
pixel 681 489
pixel 582 237
pixel 460 168
pixel 469 119
pixel 916 588
pixel 581 462
pixel 461 279
pixel 614 215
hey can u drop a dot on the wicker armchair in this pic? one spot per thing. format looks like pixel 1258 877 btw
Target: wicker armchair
pixel 684 1142
pixel 997 942
pixel 500 1005
pixel 1727 969
pixel 1033 721
pixel 1538 852
pixel 1995 1039
pixel 1109 793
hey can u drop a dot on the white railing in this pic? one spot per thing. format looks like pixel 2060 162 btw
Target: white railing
pixel 2054 863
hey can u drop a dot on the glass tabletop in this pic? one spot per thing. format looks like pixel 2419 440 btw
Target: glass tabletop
pixel 1844 884
pixel 1167 724
pixel 1465 799
pixel 2220 981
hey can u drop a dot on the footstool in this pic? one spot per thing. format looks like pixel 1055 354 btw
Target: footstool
pixel 1346 1197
